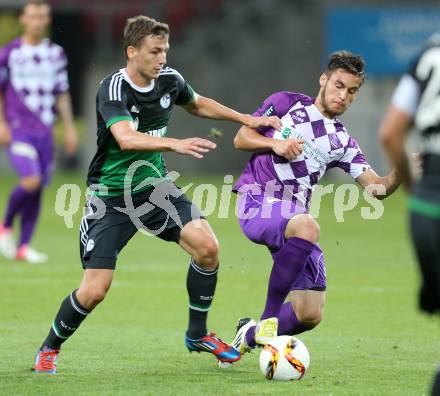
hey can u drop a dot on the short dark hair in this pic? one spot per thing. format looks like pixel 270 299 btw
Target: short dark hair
pixel 347 61
pixel 141 26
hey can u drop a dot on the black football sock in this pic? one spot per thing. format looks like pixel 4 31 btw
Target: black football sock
pixel 69 317
pixel 436 384
pixel 200 284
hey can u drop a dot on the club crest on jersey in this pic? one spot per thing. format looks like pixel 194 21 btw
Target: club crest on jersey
pixel 299 115
pixel 134 109
pixel 165 101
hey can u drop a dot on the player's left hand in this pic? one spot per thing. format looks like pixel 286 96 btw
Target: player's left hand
pixel 70 141
pixel 257 122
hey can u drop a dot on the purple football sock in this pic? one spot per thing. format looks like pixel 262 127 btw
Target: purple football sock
pixel 29 217
pixel 288 264
pixel 288 323
pixel 17 199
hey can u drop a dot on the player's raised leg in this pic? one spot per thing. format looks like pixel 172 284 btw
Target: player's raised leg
pixel 198 239
pixel 73 310
pixel 289 262
pixel 297 265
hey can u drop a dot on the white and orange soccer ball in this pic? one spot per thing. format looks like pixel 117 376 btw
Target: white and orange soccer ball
pixel 285 358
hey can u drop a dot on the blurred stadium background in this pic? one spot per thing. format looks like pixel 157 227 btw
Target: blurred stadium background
pixel 373 340
pixel 239 52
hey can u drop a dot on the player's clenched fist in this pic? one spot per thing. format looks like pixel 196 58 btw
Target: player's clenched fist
pixel 289 148
pixel 257 122
pixel 193 146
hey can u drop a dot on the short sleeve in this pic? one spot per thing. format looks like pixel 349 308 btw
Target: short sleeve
pixel 406 95
pixel 112 101
pixel 353 160
pixel 61 78
pixel 276 104
pixel 186 93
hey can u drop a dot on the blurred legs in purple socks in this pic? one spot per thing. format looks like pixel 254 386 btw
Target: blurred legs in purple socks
pixel 17 199
pixel 27 205
pixel 29 217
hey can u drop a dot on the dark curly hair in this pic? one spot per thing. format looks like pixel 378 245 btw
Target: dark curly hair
pixel 347 61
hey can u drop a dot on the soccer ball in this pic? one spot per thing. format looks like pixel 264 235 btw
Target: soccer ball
pixel 285 358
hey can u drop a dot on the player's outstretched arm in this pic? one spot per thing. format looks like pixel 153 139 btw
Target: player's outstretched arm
pixel 209 108
pixel 248 139
pixel 5 133
pixel 131 140
pixel 64 108
pixel 379 187
pixel 393 132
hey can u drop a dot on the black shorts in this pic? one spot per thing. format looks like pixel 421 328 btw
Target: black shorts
pixel 425 233
pixel 110 222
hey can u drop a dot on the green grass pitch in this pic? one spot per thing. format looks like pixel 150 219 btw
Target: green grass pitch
pixel 372 341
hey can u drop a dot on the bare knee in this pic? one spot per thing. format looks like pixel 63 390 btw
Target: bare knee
pixel 31 183
pixel 310 317
pixel 206 255
pixel 91 294
pixel 90 298
pixel 303 226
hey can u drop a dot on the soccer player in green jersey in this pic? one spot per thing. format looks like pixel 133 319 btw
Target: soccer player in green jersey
pixel 128 171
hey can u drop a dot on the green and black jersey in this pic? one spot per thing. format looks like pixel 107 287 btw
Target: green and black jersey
pixel 150 109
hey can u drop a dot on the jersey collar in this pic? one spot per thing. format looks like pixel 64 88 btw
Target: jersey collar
pixel 148 88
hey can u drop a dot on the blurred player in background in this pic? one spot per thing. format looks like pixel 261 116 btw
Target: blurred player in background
pixel 33 87
pixel 416 102
pixel 275 191
pixel 133 108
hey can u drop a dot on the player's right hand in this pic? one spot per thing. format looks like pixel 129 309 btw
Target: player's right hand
pixel 5 134
pixel 263 121
pixel 289 148
pixel 193 146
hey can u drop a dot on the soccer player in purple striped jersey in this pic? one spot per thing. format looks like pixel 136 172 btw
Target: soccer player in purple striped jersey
pixel 33 87
pixel 275 189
